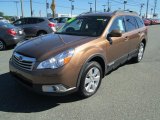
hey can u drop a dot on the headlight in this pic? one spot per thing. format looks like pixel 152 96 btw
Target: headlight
pixel 57 61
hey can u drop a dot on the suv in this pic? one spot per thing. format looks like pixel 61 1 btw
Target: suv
pixel 60 21
pixel 35 26
pixel 79 55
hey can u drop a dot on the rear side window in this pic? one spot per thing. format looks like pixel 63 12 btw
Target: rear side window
pixel 34 20
pixel 130 23
pixel 118 24
pixel 63 20
pixel 20 22
pixel 139 22
pixel 39 20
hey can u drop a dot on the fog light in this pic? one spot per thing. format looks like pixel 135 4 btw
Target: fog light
pixel 54 88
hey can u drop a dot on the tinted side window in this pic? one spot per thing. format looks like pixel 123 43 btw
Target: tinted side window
pixel 57 19
pixel 140 22
pixel 39 20
pixel 130 23
pixel 19 22
pixel 63 20
pixel 118 24
pixel 34 20
pixel 29 20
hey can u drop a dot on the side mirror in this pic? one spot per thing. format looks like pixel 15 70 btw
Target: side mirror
pixel 115 33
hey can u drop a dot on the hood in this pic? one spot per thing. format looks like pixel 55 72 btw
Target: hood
pixel 48 45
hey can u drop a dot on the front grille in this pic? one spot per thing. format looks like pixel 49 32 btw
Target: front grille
pixel 23 61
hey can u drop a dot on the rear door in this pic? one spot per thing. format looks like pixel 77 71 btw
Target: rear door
pixel 132 33
pixel 30 27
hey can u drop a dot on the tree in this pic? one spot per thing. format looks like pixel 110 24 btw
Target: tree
pixel 1 14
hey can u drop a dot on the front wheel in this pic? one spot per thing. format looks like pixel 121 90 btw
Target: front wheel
pixel 90 79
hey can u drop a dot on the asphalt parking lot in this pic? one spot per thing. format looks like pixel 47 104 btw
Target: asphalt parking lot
pixel 132 92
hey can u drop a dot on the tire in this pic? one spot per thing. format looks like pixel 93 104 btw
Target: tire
pixel 140 54
pixel 40 33
pixel 2 45
pixel 90 79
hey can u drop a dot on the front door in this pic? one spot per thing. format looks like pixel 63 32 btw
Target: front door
pixel 118 50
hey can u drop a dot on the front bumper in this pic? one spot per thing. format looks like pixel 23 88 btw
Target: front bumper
pixel 45 81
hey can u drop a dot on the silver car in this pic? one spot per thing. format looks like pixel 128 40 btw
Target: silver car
pixel 10 35
pixel 59 21
pixel 35 26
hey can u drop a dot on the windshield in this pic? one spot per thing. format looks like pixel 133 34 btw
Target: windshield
pixel 85 26
pixel 6 25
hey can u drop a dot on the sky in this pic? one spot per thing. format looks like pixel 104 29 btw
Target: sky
pixel 64 6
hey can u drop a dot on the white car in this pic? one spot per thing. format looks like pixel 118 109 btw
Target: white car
pixel 4 20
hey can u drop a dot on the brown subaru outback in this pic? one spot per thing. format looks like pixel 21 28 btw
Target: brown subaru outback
pixel 78 56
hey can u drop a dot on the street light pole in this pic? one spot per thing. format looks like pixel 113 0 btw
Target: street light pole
pixel 104 8
pixel 141 9
pixel 155 5
pixel 22 8
pixel 71 6
pixel 90 6
pixel 108 7
pixel 46 7
pixel 31 8
pixel 147 9
pixel 125 2
pixel 95 5
pixel 151 12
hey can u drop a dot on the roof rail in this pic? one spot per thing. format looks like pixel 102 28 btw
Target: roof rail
pixel 125 11
pixel 90 12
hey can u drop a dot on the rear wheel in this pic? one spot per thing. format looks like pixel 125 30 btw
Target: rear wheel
pixel 2 45
pixel 90 79
pixel 140 54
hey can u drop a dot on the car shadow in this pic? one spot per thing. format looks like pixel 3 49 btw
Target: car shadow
pixel 14 98
pixel 9 48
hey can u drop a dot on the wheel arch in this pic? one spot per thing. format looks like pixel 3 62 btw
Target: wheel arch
pixel 39 31
pixel 97 58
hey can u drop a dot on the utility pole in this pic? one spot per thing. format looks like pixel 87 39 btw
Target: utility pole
pixel 155 5
pixel 16 6
pixel 22 8
pixel 141 9
pixel 147 9
pixel 72 6
pixel 108 7
pixel 151 12
pixel 47 6
pixel 95 5
pixel 31 8
pixel 104 8
pixel 125 2
pixel 53 6
pixel 90 6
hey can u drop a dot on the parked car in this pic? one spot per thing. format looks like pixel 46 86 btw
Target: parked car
pixel 10 35
pixel 4 20
pixel 35 26
pixel 147 21
pixel 78 56
pixel 155 21
pixel 59 21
